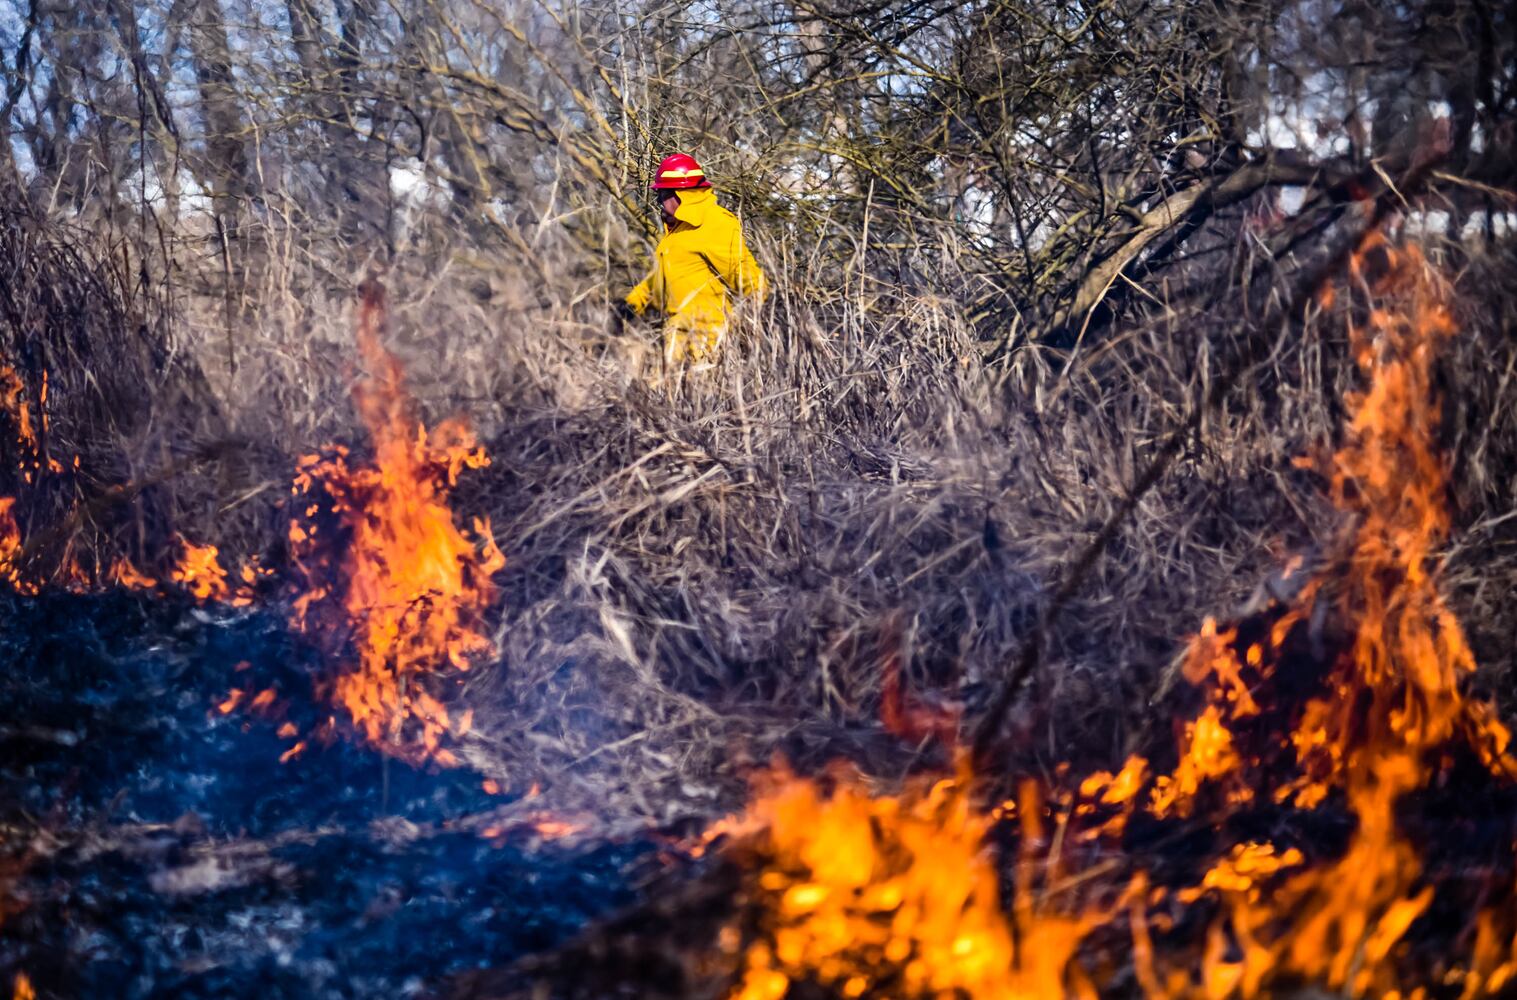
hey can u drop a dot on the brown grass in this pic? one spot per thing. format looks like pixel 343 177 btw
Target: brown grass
pixel 700 577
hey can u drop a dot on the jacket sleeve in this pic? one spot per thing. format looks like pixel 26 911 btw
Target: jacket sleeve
pixel 641 295
pixel 736 265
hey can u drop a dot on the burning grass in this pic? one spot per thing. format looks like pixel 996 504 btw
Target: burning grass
pixel 895 896
pixel 379 558
pixel 380 571
pixel 698 578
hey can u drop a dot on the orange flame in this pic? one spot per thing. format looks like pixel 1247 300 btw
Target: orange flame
pixel 31 461
pixel 124 574
pixel 402 578
pixel 1493 967
pixel 200 572
pixel 1393 704
pixel 10 548
pixel 896 896
pixel 13 402
pixel 542 823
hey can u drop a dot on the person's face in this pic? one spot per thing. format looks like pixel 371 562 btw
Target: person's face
pixel 668 204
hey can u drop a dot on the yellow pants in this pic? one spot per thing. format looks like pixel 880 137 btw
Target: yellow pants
pixel 693 342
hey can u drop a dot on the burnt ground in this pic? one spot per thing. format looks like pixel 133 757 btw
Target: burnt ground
pixel 156 847
pixel 153 846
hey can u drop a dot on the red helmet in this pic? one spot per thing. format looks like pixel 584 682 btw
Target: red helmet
pixel 679 171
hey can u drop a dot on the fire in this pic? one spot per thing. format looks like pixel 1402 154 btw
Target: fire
pixel 23 988
pixel 124 574
pixel 31 460
pixel 383 561
pixel 896 896
pixel 545 825
pixel 1494 966
pixel 1389 714
pixel 200 572
pixel 10 547
pixel 378 559
pixel 14 404
pixel 1207 755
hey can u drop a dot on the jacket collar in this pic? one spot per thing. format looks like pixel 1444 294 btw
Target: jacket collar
pixel 694 204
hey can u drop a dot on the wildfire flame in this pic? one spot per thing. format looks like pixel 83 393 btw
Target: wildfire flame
pixel 895 895
pixel 383 561
pixel 14 404
pixel 31 460
pixel 200 572
pixel 379 561
pixel 124 574
pixel 10 548
pixel 1393 709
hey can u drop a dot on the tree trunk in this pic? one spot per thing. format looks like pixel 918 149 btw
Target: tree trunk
pixel 225 172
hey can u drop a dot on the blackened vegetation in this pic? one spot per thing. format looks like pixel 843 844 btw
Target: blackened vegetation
pixel 118 410
pixel 160 849
pixel 1462 826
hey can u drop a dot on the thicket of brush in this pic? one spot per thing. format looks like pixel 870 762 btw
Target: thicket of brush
pixel 1013 248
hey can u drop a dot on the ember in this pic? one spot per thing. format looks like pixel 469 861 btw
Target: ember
pixel 10 546
pixel 199 571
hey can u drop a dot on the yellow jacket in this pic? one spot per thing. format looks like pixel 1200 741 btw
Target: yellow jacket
pixel 696 264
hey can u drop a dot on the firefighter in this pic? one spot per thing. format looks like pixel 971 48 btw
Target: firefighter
pixel 700 261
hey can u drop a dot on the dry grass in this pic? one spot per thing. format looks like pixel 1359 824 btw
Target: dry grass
pixel 699 577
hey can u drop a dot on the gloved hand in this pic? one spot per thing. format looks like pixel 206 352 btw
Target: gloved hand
pixel 622 316
pixel 637 299
pixel 621 319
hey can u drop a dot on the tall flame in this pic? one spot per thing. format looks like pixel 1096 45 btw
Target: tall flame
pixel 31 460
pixel 1393 709
pixel 894 896
pixel 383 560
